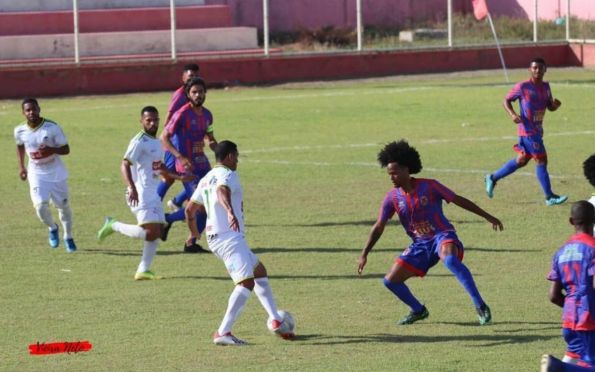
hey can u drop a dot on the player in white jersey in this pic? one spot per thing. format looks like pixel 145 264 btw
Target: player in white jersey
pixel 141 169
pixel 589 170
pixel 44 142
pixel 219 194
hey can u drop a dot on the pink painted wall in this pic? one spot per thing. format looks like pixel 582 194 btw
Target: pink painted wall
pixel 287 15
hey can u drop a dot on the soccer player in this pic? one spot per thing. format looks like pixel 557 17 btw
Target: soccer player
pixel 44 143
pixel 573 268
pixel 219 194
pixel 418 203
pixel 535 96
pixel 192 126
pixel 141 168
pixel 178 100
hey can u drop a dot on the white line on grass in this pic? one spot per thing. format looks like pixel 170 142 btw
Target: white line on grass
pixel 376 165
pixel 430 141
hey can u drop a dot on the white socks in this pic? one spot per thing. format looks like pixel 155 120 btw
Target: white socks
pixel 132 231
pixel 149 251
pixel 236 303
pixel 65 215
pixel 264 293
pixel 45 215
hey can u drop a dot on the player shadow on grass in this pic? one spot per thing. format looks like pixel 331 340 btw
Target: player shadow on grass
pixel 486 339
pixel 369 223
pixel 315 250
pixel 500 250
pixel 128 252
pixel 354 276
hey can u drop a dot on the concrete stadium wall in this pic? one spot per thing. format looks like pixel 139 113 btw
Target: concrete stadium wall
pixel 122 77
pixel 49 5
pixel 127 43
pixel 107 20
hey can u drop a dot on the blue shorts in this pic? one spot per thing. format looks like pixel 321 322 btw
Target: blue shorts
pixel 170 161
pixel 423 254
pixel 580 343
pixel 531 146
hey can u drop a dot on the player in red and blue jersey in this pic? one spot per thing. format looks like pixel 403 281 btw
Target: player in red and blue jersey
pixel 573 269
pixel 192 126
pixel 418 203
pixel 535 97
pixel 178 100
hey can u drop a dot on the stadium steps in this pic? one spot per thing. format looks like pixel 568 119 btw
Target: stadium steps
pixel 121 32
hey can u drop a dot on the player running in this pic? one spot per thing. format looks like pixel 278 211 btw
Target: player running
pixel 44 143
pixel 178 100
pixel 220 196
pixel 418 203
pixel 535 96
pixel 141 169
pixel 192 126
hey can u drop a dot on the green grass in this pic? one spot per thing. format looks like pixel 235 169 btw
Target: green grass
pixel 312 192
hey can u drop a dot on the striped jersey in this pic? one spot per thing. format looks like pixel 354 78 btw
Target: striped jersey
pixel 574 266
pixel 533 101
pixel 190 130
pixel 420 211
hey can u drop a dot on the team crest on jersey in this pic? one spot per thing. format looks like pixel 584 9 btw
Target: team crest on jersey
pixel 157 165
pixel 423 200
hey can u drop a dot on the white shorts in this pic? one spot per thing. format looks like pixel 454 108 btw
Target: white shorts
pixel 44 191
pixel 149 214
pixel 232 249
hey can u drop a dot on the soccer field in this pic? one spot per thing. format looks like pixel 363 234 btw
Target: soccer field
pixel 312 192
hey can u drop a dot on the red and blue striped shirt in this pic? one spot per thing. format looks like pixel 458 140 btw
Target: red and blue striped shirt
pixel 419 211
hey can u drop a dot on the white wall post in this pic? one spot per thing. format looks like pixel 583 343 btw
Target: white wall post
pixel 265 28
pixel 75 14
pixel 172 14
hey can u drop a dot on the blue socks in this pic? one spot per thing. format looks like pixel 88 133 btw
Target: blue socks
pixel 508 168
pixel 464 277
pixel 404 294
pixel 544 179
pixel 162 189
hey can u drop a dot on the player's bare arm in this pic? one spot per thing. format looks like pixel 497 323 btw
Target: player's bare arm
pixel 21 159
pixel 166 141
pixel 554 104
pixel 164 172
pixel 190 212
pixel 224 197
pixel 510 110
pixel 474 208
pixel 556 294
pixel 211 141
pixel 375 234
pixel 131 188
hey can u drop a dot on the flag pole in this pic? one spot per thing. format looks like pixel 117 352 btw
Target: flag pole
pixel 499 49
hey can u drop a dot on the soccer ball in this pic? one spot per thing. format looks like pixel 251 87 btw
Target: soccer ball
pixel 287 326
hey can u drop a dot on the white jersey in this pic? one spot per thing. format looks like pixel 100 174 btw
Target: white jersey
pixel 206 194
pixel 47 134
pixel 145 154
pixel 592 201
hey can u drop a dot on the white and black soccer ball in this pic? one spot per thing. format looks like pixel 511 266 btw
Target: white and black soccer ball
pixel 287 328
